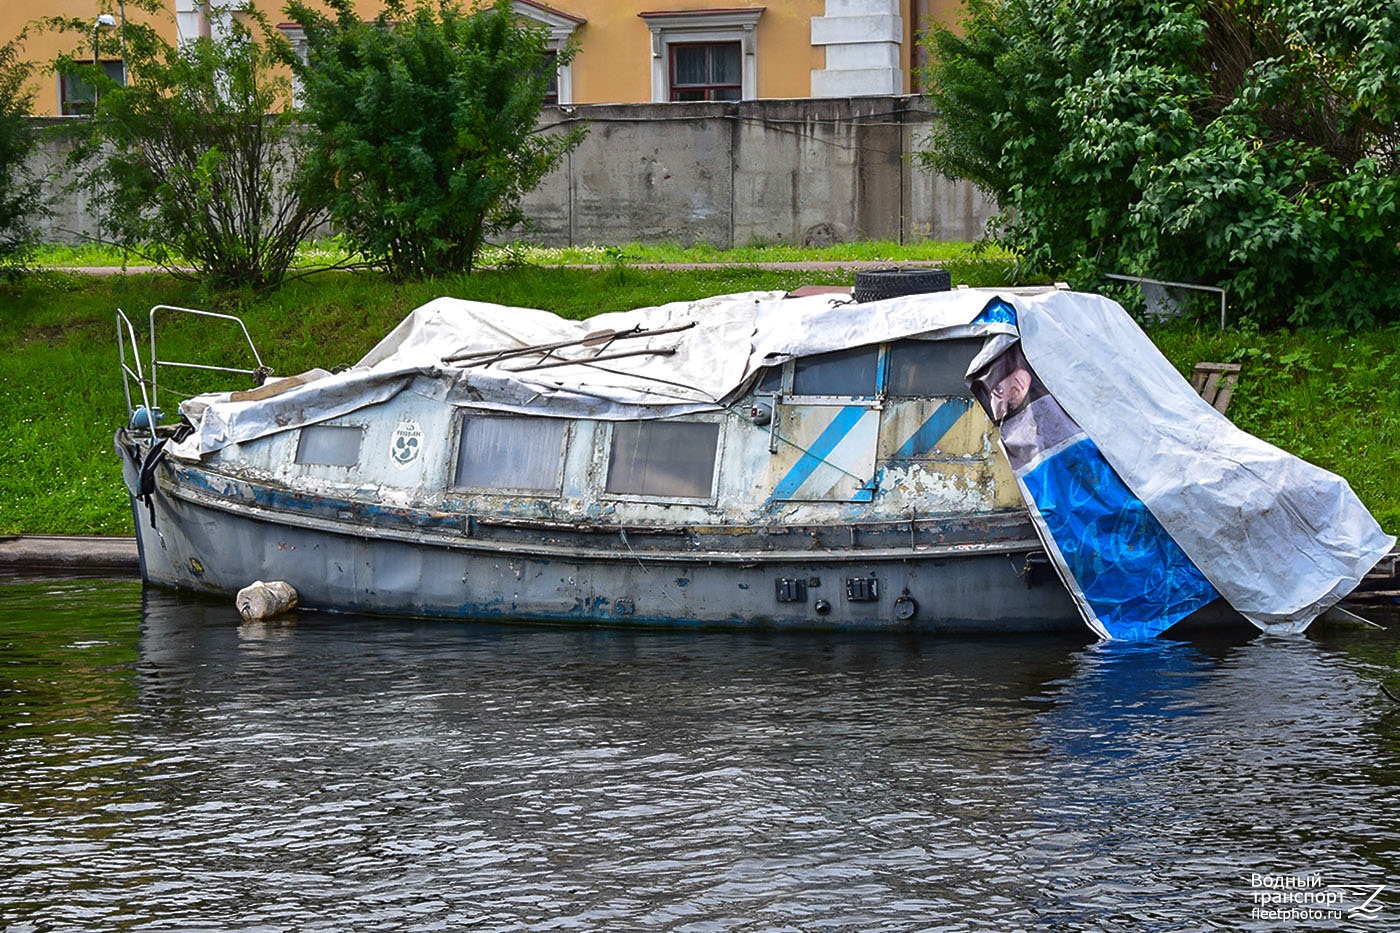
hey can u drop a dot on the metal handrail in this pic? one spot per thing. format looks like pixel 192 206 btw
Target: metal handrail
pixel 1213 289
pixel 125 329
pixel 156 362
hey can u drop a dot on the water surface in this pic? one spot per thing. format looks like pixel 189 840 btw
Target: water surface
pixel 165 767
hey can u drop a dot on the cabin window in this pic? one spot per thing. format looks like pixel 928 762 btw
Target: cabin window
pixel 675 459
pixel 930 367
pixel 845 373
pixel 330 444
pixel 511 452
pixel 771 383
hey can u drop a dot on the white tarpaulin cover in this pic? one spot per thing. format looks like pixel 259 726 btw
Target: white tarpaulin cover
pixel 1280 539
pixel 699 367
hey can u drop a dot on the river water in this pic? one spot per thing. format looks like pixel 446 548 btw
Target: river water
pixel 165 767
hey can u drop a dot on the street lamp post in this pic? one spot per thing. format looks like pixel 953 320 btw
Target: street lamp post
pixel 104 21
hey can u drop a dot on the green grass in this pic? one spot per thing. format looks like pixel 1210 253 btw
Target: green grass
pixel 329 252
pixel 1334 399
pixel 1331 398
pixel 672 253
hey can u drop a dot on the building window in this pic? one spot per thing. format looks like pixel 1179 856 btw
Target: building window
pixel 329 444
pixel 672 459
pixel 296 38
pixel 562 27
pixel 704 54
pixel 550 66
pixel 708 71
pixel 75 94
pixel 511 452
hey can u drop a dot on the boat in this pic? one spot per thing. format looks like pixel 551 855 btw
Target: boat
pixel 806 461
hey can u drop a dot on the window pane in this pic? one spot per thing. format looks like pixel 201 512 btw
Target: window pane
pixel 511 453
pixel 549 67
pixel 845 373
pixel 689 64
pixel 707 72
pixel 76 95
pixel 663 458
pixel 931 367
pixel 724 63
pixel 329 444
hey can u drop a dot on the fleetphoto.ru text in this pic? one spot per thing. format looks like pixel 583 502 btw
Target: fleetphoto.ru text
pixel 1282 897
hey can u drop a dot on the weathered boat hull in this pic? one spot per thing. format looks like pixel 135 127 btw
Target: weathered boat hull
pixel 205 532
pixel 747 460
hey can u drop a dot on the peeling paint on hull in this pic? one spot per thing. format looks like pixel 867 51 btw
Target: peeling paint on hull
pixel 204 543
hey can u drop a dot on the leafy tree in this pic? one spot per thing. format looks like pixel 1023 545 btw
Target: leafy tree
pixel 194 159
pixel 1249 144
pixel 21 197
pixel 426 122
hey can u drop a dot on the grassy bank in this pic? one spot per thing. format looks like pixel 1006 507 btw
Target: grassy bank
pixel 511 255
pixel 1332 398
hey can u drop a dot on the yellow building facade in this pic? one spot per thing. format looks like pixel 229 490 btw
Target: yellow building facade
pixel 628 52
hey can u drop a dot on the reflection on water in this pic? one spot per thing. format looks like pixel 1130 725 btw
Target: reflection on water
pixel 163 766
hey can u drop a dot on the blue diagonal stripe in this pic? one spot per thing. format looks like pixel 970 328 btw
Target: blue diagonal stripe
pixel 846 419
pixel 931 431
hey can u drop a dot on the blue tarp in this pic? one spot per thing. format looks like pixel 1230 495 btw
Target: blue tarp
pixel 1134 579
pixel 1149 502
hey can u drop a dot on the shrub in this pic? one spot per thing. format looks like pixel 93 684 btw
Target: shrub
pixel 194 160
pixel 426 121
pixel 21 198
pixel 1248 144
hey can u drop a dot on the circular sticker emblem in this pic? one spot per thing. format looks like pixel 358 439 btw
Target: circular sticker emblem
pixel 406 443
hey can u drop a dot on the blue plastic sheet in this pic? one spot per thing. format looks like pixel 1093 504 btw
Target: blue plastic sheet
pixel 1130 579
pixel 1133 578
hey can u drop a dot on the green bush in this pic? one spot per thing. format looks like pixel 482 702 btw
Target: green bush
pixel 21 198
pixel 426 121
pixel 1247 144
pixel 193 160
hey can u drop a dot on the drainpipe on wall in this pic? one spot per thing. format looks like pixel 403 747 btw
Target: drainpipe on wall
pixel 905 155
pixel 731 112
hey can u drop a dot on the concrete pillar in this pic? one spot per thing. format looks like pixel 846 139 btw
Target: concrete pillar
pixel 862 40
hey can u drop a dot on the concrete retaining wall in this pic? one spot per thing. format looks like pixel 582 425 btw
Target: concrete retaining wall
pixel 729 174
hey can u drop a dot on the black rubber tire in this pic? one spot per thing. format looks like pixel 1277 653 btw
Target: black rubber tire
pixel 877 284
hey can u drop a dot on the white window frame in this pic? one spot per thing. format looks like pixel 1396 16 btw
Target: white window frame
pixel 296 38
pixel 702 26
pixel 562 27
pixel 205 18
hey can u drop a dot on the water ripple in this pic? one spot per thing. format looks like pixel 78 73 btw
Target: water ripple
pixel 168 768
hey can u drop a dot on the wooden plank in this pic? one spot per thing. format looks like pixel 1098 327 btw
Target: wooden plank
pixel 1215 382
pixel 1222 399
